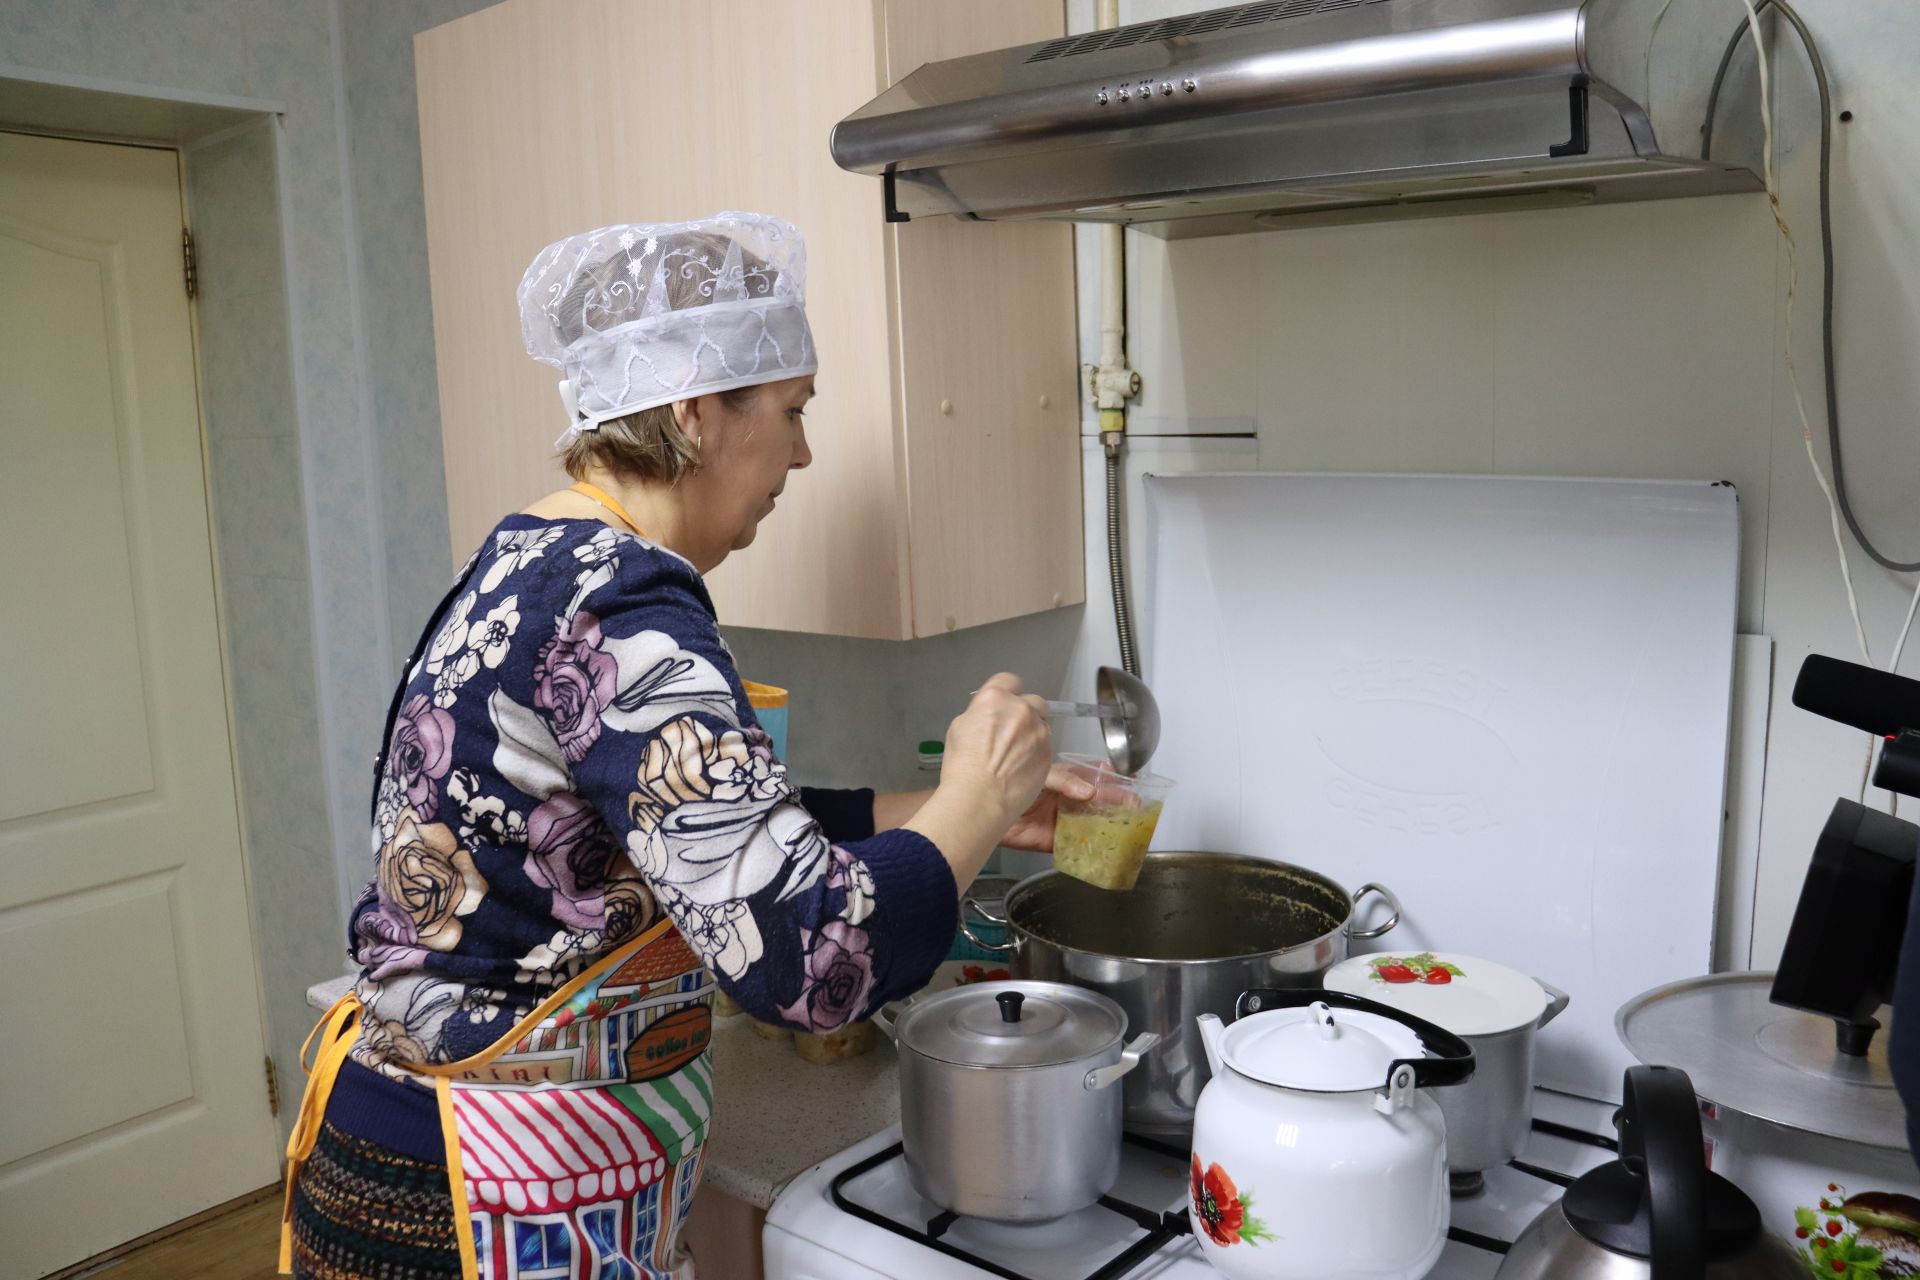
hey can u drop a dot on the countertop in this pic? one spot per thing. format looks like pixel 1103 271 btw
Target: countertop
pixel 776 1115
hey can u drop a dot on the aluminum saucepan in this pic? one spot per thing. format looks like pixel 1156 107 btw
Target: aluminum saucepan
pixel 1196 931
pixel 1009 1097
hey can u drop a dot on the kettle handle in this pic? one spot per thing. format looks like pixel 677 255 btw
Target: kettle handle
pixel 1660 1128
pixel 1452 1059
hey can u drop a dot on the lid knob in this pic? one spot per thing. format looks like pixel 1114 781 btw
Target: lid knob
pixel 1010 1002
pixel 1323 1019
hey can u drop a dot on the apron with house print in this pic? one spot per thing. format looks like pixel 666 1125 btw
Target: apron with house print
pixel 574 1142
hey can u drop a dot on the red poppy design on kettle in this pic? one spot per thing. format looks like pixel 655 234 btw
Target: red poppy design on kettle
pixel 1221 1211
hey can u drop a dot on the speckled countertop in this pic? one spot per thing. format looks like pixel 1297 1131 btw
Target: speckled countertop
pixel 776 1115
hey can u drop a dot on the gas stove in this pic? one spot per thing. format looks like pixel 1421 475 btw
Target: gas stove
pixel 856 1217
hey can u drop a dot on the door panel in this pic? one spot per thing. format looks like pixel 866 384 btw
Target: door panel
pixel 66 672
pixel 133 1055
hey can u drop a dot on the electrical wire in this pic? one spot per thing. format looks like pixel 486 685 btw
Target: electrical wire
pixel 1893 664
pixel 1752 26
pixel 1646 64
pixel 1838 504
pixel 1840 497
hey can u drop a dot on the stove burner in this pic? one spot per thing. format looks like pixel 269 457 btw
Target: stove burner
pixel 1466 1185
pixel 1156 1229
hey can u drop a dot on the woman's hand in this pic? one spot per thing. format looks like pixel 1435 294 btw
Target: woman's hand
pixel 1033 830
pixel 998 754
pixel 999 749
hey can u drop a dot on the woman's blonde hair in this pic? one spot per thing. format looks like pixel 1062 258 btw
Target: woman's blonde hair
pixel 649 444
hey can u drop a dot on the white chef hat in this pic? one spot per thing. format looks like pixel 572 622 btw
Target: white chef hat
pixel 645 314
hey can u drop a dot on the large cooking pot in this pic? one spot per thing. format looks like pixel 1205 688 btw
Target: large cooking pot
pixel 1009 1098
pixel 1196 931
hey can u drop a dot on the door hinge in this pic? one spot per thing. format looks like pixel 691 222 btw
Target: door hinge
pixel 186 254
pixel 273 1089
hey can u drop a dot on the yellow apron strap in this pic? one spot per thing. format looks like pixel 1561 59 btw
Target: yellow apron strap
pixel 456 1179
pixel 335 1031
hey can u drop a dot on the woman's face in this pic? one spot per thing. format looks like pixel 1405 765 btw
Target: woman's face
pixel 746 456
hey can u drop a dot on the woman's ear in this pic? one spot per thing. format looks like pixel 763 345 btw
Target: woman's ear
pixel 694 417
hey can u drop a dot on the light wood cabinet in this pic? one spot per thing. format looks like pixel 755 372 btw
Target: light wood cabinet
pixel 945 490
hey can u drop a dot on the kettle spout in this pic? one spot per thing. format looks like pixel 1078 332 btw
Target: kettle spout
pixel 1211 1031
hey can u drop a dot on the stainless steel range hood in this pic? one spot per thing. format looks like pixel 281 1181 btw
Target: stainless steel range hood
pixel 1297 112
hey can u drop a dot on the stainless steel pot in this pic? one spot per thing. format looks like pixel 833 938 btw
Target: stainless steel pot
pixel 1490 1115
pixel 1196 931
pixel 1008 1101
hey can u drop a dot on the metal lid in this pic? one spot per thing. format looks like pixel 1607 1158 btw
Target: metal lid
pixel 1750 1055
pixel 1011 1024
pixel 1462 994
pixel 1318 1049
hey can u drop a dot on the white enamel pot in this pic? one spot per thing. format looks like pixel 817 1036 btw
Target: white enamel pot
pixel 1318 1143
pixel 1498 1012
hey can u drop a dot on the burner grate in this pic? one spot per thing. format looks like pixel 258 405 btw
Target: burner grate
pixel 1157 1229
pixel 1493 1244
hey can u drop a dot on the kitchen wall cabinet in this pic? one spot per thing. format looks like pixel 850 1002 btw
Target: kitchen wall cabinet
pixel 945 490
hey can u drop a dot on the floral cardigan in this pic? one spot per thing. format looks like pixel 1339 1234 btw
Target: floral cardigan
pixel 574 755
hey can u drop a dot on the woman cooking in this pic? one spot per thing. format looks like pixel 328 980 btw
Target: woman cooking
pixel 580 827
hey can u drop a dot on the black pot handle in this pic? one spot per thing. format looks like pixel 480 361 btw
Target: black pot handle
pixel 1660 1130
pixel 1453 1057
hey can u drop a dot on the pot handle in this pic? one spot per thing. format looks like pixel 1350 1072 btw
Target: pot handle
pixel 1451 1060
pixel 969 902
pixel 1557 1001
pixel 883 1018
pixel 1143 1044
pixel 1378 929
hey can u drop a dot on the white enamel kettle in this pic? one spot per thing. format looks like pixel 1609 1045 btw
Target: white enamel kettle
pixel 1317 1142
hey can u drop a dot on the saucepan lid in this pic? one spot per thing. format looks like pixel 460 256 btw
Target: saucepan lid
pixel 1753 1056
pixel 1011 1024
pixel 1466 995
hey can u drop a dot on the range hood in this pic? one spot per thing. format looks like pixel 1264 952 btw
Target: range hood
pixel 1299 112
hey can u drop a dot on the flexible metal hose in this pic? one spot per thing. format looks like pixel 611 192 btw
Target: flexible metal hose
pixel 1115 443
pixel 1740 37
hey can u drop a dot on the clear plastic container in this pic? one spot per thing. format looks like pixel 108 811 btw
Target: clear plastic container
pixel 1104 840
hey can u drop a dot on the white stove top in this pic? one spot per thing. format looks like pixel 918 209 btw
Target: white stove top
pixel 809 1237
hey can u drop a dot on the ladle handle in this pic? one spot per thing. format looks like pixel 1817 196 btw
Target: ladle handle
pixel 1094 709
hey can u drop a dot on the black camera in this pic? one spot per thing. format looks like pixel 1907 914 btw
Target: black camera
pixel 1843 951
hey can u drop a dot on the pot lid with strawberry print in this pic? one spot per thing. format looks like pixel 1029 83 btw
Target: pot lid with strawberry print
pixel 1318 1049
pixel 1463 994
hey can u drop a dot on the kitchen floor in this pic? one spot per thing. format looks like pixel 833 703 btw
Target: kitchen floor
pixel 242 1243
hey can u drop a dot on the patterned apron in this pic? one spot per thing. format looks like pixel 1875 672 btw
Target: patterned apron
pixel 575 1141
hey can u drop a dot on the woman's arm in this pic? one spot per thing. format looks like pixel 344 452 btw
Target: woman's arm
pixel 893 809
pixel 799 930
pixel 1032 831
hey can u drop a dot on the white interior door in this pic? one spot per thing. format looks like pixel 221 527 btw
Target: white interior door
pixel 132 1054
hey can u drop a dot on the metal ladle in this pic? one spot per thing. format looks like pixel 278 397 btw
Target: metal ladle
pixel 1129 718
